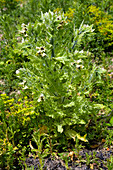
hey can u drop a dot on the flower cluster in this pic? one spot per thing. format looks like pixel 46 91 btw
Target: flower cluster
pixel 22 110
pixel 70 14
pixel 78 63
pixel 24 30
pixel 57 10
pixel 103 22
pixel 41 51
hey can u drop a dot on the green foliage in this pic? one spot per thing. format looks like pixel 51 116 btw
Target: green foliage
pixel 15 118
pixel 103 22
pixel 55 56
pixel 39 136
pixel 9 4
pixel 57 73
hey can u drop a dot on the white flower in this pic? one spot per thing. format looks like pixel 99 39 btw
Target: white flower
pixel 39 52
pixel 41 98
pixel 86 25
pixel 37 48
pixel 42 49
pixel 26 35
pixel 59 18
pixel 78 61
pixel 22 83
pixel 25 87
pixel 23 25
pixel 23 31
pixel 17 71
pixel 44 54
pixel 79 66
pixel 22 40
pixel 81 52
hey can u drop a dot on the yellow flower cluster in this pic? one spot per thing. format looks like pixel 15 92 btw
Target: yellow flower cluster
pixel 15 113
pixel 5 3
pixel 69 14
pixel 57 10
pixel 22 110
pixel 103 21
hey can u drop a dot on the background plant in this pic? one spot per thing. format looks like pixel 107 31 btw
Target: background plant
pixel 53 70
pixel 13 128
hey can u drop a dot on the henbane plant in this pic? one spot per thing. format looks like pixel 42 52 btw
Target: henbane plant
pixel 58 73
